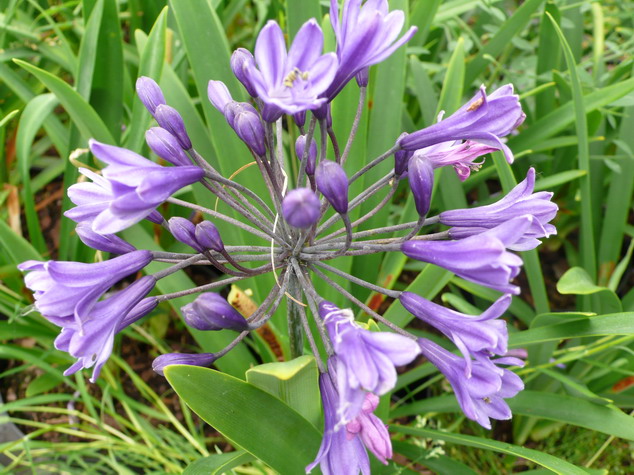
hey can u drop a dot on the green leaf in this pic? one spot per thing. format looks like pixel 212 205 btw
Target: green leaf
pixel 577 281
pixel 295 382
pixel 218 464
pixel 83 115
pixel 249 417
pixel 300 11
pixel 15 247
pixel 545 460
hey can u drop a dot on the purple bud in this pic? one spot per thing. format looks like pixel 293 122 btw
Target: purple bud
pixel 201 359
pixel 240 59
pixel 311 162
pixel 421 182
pixel 300 118
pixel 150 93
pixel 401 159
pixel 333 183
pixel 218 95
pixel 155 217
pixel 184 231
pixel 301 208
pixel 246 122
pixel 208 237
pixel 323 112
pixel 169 118
pixel 363 77
pixel 166 146
pixel 139 311
pixel 211 311
pixel 102 242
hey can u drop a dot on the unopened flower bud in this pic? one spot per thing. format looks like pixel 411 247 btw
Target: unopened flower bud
pixel 184 231
pixel 311 161
pixel 218 95
pixel 246 122
pixel 239 61
pixel 200 359
pixel 333 183
pixel 301 208
pixel 211 311
pixel 166 146
pixel 102 242
pixel 150 93
pixel 421 182
pixel 208 237
pixel 139 311
pixel 300 118
pixel 401 159
pixel 362 77
pixel 171 120
pixel 155 217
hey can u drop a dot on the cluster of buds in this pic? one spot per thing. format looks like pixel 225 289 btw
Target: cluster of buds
pixel 358 365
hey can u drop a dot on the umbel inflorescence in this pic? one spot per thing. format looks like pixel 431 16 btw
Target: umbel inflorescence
pixel 296 231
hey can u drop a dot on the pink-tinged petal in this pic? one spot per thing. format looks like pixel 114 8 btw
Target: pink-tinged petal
pixel 270 53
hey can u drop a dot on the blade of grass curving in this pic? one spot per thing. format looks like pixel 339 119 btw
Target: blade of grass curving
pixel 588 256
pixel 548 461
pixel 88 51
pixel 152 58
pixel 423 14
pixel 34 114
pixel 548 58
pixel 502 38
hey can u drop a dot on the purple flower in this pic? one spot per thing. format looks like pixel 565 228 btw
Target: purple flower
pixel 184 231
pixel 332 182
pixel 365 360
pixel 65 291
pixel 481 396
pixel 169 118
pixel 484 119
pixel 519 201
pixel 290 82
pixel 239 61
pixel 208 236
pixel 372 431
pixel 166 146
pixel 211 311
pixel 199 359
pixel 472 334
pixel 102 242
pixel 366 35
pixel 311 160
pixel 481 258
pixel 421 181
pixel 301 208
pixel 91 340
pixel 129 190
pixel 337 454
pixel 460 155
pixel 150 93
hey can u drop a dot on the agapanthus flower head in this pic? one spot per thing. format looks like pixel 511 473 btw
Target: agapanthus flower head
pixel 421 181
pixel 102 242
pixel 484 119
pixel 129 190
pixel 211 311
pixel 366 34
pixel 332 182
pixel 208 237
pixel 365 360
pixel 472 334
pixel 481 258
pixel 301 208
pixel 481 395
pixel 67 291
pixel 150 93
pixel 311 160
pixel 91 342
pixel 290 82
pixel 165 145
pixel 519 201
pixel 337 454
pixel 198 359
pixel 169 119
